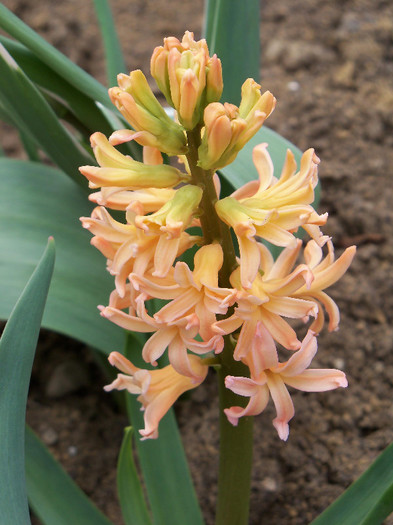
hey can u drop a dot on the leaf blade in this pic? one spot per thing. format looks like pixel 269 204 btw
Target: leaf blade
pixel 237 48
pixel 52 57
pixel 368 501
pixel 113 54
pixel 133 505
pixel 20 336
pixel 35 118
pixel 80 281
pixel 164 455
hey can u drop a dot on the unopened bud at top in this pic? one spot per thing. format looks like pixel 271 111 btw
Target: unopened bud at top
pixel 137 103
pixel 228 127
pixel 188 77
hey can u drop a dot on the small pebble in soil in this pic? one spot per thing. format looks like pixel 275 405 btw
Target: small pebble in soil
pixel 72 451
pixel 293 86
pixel 49 436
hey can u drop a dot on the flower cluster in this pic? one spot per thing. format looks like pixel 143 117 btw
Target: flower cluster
pixel 243 303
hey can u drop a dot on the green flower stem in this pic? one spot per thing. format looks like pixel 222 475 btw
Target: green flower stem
pixel 235 442
pixel 214 230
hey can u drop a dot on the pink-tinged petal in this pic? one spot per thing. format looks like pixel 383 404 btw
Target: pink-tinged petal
pixel 246 337
pixel 183 276
pixel 291 307
pixel 300 277
pixel 227 326
pixel 280 330
pixel 155 411
pixel 266 259
pixel 315 233
pixel 276 235
pixel 284 262
pixel 250 259
pixel 331 308
pixel 242 386
pixel 335 271
pixel 160 288
pixel 312 254
pixel 129 322
pixel 283 403
pixel 207 263
pixel 178 357
pixel 263 353
pixel 178 307
pixel 289 168
pixel 318 380
pixel 246 191
pixel 255 406
pixel 123 382
pixel 300 360
pixel 214 344
pixel 122 363
pixel 206 320
pixel 152 156
pixel 165 255
pixel 264 166
pixel 156 345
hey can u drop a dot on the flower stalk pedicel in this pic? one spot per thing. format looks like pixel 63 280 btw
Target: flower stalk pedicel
pixel 232 306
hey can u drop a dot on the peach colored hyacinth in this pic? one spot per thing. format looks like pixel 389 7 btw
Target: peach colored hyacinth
pixel 227 300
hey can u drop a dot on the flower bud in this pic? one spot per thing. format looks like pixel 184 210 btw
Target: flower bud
pixel 118 170
pixel 138 105
pixel 175 216
pixel 187 76
pixel 228 128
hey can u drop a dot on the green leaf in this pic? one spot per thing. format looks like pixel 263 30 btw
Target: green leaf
pixel 38 72
pixel 130 492
pixel 53 495
pixel 52 57
pixel 35 118
pixel 232 32
pixel 164 458
pixel 369 500
pixel 37 201
pixel 113 54
pixel 17 347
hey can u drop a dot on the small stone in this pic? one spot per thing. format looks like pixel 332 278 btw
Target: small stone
pixel 49 436
pixel 269 484
pixel 72 451
pixel 66 378
pixel 293 86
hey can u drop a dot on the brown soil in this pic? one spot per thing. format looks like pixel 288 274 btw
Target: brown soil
pixel 330 64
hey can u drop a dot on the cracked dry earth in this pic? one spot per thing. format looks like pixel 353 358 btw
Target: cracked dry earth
pixel 330 65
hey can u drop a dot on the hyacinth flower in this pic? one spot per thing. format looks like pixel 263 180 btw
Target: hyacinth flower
pixel 271 378
pixel 230 304
pixel 157 389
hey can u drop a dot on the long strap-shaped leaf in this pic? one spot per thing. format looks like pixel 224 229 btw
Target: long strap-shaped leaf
pixel 53 495
pixel 91 115
pixel 113 54
pixel 52 57
pixel 232 31
pixel 34 116
pixel 133 506
pixel 37 201
pixel 369 500
pixel 17 347
pixel 164 466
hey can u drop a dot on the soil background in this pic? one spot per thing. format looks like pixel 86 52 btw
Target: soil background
pixel 330 65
